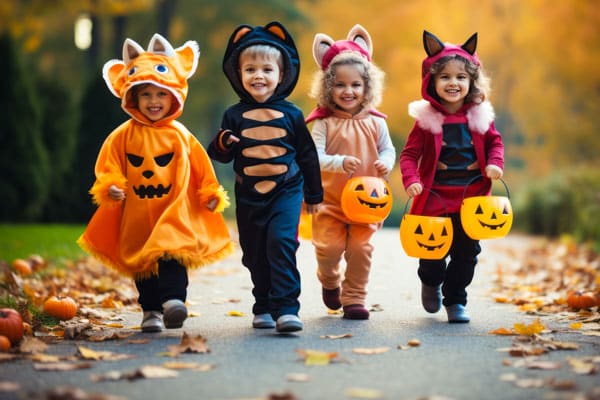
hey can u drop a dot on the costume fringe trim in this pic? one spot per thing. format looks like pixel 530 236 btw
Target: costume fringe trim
pixel 189 262
pixel 479 117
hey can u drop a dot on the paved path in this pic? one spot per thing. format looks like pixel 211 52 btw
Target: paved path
pixel 454 361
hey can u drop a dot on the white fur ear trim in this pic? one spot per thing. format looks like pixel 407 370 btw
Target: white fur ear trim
pixel 107 76
pixel 480 117
pixel 131 50
pixel 159 45
pixel 321 44
pixel 361 37
pixel 428 118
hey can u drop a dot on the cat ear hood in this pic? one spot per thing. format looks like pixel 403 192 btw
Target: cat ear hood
pixel 161 65
pixel 436 49
pixel 358 41
pixel 273 34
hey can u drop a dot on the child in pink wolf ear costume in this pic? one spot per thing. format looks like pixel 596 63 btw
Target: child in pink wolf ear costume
pixel 455 150
pixel 351 137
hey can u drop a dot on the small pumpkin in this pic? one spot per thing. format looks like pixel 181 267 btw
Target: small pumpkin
pixel 580 299
pixel 11 325
pixel 63 308
pixel 305 226
pixel 366 199
pixel 22 266
pixel 4 343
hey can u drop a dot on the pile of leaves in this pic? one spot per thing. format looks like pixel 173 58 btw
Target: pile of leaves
pixel 100 292
pixel 541 279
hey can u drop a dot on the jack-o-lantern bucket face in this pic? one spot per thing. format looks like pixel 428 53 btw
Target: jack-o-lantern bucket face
pixel 486 217
pixel 366 199
pixel 426 237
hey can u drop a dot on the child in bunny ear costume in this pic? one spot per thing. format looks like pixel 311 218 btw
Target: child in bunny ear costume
pixel 351 137
pixel 159 201
pixel 455 150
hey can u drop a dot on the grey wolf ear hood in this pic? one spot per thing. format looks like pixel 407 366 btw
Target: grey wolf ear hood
pixel 273 34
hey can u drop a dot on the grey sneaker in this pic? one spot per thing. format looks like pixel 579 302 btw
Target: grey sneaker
pixel 263 321
pixel 152 321
pixel 174 313
pixel 288 323
pixel 431 298
pixel 457 314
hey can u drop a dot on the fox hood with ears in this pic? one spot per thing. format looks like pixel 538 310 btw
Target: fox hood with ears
pixel 161 65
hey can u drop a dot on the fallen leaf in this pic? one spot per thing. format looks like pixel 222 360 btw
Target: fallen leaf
pixel 502 331
pixel 544 365
pixel 234 313
pixel 189 366
pixel 89 354
pixel 44 358
pixel 282 396
pixel 145 372
pixel 376 308
pixel 74 393
pixel 297 377
pixel 362 393
pixel 529 330
pixel 582 366
pixel 315 357
pixel 414 343
pixel 342 336
pixel 189 344
pixel 61 366
pixel 529 383
pixel 576 325
pixel 32 345
pixel 368 351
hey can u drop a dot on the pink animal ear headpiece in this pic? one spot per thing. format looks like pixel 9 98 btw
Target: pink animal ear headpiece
pixel 436 49
pixel 325 49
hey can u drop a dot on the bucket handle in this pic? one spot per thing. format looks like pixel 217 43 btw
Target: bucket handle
pixel 431 191
pixel 481 176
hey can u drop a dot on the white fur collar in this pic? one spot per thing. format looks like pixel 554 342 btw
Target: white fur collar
pixel 479 117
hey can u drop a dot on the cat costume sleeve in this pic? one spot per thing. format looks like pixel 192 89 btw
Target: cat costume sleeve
pixel 165 172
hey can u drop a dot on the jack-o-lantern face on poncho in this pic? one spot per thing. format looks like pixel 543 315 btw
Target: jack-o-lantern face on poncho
pixel 366 199
pixel 426 237
pixel 486 217
pixel 151 176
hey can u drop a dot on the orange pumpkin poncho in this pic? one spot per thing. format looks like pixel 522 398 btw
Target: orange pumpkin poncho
pixel 166 174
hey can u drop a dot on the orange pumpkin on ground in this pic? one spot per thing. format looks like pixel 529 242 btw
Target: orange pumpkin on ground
pixel 579 299
pixel 63 308
pixel 23 267
pixel 4 343
pixel 11 325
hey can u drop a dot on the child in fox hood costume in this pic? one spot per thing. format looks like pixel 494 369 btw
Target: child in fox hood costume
pixel 164 171
pixel 455 150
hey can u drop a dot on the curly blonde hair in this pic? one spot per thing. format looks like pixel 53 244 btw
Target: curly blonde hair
pixel 323 81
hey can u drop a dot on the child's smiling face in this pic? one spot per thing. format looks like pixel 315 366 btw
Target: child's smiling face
pixel 260 76
pixel 154 102
pixel 348 88
pixel 452 85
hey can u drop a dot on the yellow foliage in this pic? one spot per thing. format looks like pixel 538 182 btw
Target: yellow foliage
pixel 529 330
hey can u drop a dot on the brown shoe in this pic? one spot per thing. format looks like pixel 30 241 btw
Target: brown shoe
pixel 356 311
pixel 331 298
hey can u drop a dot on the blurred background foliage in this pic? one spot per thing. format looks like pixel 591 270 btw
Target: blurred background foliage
pixel 540 54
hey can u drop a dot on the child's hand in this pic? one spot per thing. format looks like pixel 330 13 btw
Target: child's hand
pixel 116 193
pixel 493 172
pixel 351 164
pixel 231 139
pixel 212 204
pixel 414 190
pixel 381 168
pixel 312 208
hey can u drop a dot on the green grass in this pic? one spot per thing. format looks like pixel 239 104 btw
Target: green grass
pixel 52 241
